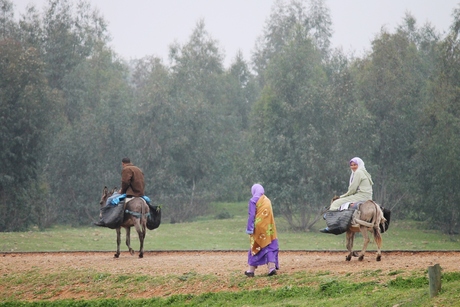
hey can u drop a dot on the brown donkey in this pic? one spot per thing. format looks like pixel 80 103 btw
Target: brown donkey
pixel 366 219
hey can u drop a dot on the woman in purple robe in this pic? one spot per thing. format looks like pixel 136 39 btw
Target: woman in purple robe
pixel 261 229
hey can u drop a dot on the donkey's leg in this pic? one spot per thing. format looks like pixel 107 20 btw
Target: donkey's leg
pixel 350 238
pixel 366 242
pixel 378 241
pixel 128 240
pixel 141 235
pixel 144 231
pixel 117 254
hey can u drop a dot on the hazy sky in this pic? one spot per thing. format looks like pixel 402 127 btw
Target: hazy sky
pixel 147 27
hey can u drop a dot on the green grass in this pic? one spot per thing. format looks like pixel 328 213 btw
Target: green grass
pixel 299 289
pixel 221 234
pixel 361 288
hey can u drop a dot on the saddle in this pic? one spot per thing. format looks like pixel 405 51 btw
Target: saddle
pixel 351 206
pixel 338 222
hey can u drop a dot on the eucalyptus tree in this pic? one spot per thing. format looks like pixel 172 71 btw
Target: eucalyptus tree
pixel 70 39
pixel 8 26
pixel 293 133
pixel 183 106
pixel 69 36
pixel 27 110
pixel 96 142
pixel 241 90
pixel 154 128
pixel 66 34
pixel 30 30
pixel 391 81
pixel 438 166
pixel 240 93
pixel 285 17
pixel 426 39
pixel 353 132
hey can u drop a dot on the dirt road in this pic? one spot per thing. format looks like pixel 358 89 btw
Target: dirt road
pixel 225 262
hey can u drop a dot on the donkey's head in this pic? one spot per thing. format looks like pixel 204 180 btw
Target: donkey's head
pixel 104 196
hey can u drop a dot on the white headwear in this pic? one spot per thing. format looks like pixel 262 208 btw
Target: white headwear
pixel 361 166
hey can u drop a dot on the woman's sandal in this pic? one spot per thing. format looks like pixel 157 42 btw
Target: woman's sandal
pixel 249 274
pixel 272 272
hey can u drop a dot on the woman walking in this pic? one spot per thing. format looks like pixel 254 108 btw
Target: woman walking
pixel 261 229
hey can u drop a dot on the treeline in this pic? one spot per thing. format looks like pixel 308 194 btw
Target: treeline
pixel 290 118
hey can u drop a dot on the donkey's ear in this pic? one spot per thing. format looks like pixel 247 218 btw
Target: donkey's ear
pixel 105 190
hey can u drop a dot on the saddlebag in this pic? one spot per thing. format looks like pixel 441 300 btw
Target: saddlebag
pixel 112 216
pixel 338 222
pixel 154 218
pixel 387 215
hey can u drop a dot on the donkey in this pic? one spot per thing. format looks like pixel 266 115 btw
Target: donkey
pixel 136 212
pixel 368 217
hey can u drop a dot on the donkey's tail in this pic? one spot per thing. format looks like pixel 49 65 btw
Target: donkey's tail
pixel 379 219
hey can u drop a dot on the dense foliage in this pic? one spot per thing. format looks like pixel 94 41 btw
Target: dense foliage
pixel 290 118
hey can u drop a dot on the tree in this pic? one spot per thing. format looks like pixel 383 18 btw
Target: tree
pixel 290 139
pixel 182 105
pixel 70 40
pixel 282 26
pixel 8 28
pixel 241 91
pixel 391 82
pixel 96 143
pixel 352 130
pixel 69 37
pixel 28 107
pixel 65 35
pixel 438 166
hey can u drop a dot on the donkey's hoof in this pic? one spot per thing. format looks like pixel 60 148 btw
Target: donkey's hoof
pixel 116 255
pixel 379 257
pixel 361 258
pixel 141 255
pixel 355 254
pixel 348 258
pixel 131 251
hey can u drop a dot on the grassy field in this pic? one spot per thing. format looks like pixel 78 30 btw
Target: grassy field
pixel 220 234
pixel 366 288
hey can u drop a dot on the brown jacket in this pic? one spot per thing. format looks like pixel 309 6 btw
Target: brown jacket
pixel 132 181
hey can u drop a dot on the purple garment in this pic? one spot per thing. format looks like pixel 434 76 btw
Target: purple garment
pixel 266 255
pixel 257 191
pixel 270 252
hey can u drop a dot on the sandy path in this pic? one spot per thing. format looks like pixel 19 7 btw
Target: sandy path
pixel 223 262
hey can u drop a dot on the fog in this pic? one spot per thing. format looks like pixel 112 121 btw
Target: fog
pixel 147 27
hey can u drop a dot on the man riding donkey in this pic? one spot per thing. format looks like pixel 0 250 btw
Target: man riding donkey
pixel 132 180
pixel 132 185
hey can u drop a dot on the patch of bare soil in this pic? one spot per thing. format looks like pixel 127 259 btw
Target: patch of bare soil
pixel 224 265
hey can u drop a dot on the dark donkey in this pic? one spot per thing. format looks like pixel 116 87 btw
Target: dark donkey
pixel 136 212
